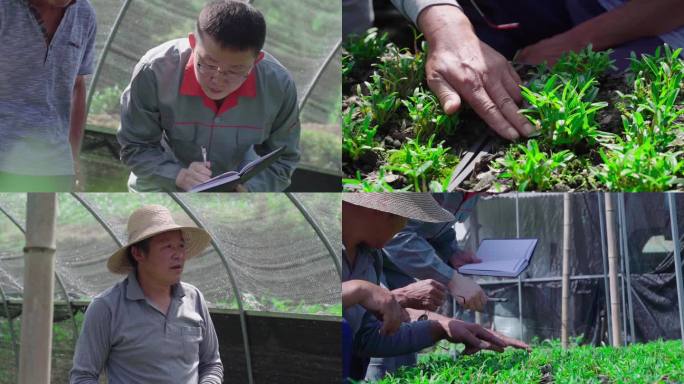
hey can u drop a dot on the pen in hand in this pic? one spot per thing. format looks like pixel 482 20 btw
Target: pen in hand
pixel 204 156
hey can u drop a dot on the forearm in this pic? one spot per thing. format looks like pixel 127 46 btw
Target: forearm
pixel 77 119
pixel 634 20
pixel 211 374
pixel 411 337
pixel 353 293
pixel 411 9
pixel 442 24
pixel 437 322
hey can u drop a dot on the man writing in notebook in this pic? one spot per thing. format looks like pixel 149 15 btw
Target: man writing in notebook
pixel 46 53
pixel 214 93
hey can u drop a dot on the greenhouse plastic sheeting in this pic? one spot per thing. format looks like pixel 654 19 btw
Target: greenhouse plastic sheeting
pixel 303 35
pixel 277 259
pixel 649 245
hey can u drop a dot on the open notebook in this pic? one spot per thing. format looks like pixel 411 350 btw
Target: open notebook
pixel 226 182
pixel 501 257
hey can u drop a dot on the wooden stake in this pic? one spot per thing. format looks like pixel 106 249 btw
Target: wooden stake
pixel 613 259
pixel 39 273
pixel 565 295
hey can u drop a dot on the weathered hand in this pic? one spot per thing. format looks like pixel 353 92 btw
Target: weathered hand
pixel 381 303
pixel 424 294
pixel 508 341
pixel 467 292
pixel 460 66
pixel 195 174
pixel 474 336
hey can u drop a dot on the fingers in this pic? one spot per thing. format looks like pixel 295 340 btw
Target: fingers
pixel 495 343
pixel 511 82
pixel 199 168
pixel 482 103
pixel 511 342
pixel 509 108
pixel 440 292
pixel 447 95
pixel 469 339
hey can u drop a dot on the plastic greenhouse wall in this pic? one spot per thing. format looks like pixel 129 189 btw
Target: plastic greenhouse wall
pixel 647 280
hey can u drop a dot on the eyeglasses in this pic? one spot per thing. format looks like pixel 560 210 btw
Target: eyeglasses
pixel 501 27
pixel 213 70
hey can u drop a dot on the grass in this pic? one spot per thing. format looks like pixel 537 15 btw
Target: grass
pixel 654 362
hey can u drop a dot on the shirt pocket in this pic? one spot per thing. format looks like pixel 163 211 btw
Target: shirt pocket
pixel 183 142
pixel 192 337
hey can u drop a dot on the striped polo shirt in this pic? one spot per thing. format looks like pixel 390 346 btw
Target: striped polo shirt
pixel 36 86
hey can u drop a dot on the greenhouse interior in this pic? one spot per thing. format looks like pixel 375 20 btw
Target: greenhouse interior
pixel 647 229
pixel 270 277
pixel 311 52
pixel 601 301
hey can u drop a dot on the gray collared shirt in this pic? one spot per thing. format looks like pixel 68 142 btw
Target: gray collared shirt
pixel 136 343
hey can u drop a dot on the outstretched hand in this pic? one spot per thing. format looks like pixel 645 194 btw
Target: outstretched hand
pixel 461 67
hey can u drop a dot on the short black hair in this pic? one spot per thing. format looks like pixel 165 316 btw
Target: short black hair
pixel 143 245
pixel 233 24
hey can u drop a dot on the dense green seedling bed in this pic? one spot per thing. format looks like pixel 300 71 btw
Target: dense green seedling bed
pixel 655 362
pixel 596 130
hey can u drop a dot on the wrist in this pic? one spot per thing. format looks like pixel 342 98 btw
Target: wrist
pixel 438 329
pixel 441 24
pixel 400 296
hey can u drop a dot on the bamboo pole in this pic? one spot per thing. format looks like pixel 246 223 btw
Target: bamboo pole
pixel 565 295
pixel 37 309
pixel 613 270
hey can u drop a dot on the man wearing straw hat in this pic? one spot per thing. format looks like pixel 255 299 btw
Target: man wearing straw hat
pixel 369 221
pixel 150 327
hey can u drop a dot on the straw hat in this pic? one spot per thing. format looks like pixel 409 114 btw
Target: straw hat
pixel 152 220
pixel 411 205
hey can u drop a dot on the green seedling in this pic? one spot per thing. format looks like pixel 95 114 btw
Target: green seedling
pixel 531 169
pixel 358 135
pixel 652 66
pixel 587 62
pixel 401 69
pixel 653 111
pixel 427 116
pixel 363 50
pixel 376 102
pixel 654 362
pixel 360 184
pixel 422 163
pixel 639 167
pixel 564 113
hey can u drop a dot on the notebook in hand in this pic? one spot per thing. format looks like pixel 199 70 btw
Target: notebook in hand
pixel 501 257
pixel 226 182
